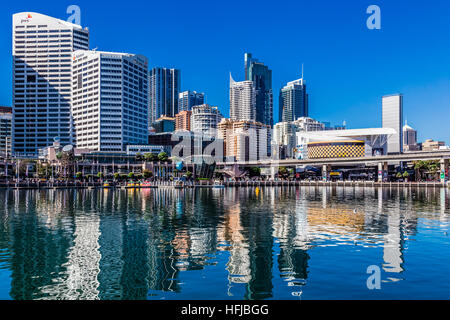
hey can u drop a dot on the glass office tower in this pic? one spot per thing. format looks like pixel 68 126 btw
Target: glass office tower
pixel 261 76
pixel 164 86
pixel 293 101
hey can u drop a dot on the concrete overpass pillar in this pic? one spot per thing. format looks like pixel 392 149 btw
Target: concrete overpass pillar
pixel 380 172
pixel 273 172
pixel 385 170
pixel 444 170
pixel 324 173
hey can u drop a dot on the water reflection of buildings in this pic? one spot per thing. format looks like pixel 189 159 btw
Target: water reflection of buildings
pixel 291 230
pixel 231 232
pixel 129 244
pixel 387 223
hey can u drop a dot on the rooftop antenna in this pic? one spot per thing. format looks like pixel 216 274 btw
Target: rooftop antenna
pixel 302 70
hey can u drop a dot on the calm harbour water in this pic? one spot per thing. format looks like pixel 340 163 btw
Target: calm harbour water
pixel 247 243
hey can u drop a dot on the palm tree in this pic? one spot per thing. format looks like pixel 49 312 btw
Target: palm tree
pixel 405 175
pixel 419 166
pixel 282 171
pixel 138 156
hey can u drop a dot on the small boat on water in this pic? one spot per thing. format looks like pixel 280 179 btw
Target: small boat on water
pixel 179 184
pixel 218 185
pixel 132 184
pixel 146 184
pixel 107 184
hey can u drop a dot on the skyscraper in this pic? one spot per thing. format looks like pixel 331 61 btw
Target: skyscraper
pixel 42 48
pixel 261 76
pixel 5 131
pixel 242 100
pixel 188 99
pixel 244 140
pixel 109 100
pixel 293 101
pixel 392 106
pixel 164 86
pixel 409 139
pixel 183 120
pixel 205 119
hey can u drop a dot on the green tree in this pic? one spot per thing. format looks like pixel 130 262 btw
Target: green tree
pixel 430 166
pixel 138 156
pixel 131 175
pixel 116 176
pixel 163 157
pixel 79 175
pixel 282 171
pixel 188 174
pixel 100 175
pixel 254 172
pixel 42 170
pixel 150 157
pixel 147 173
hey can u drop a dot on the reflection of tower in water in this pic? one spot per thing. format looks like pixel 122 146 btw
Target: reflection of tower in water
pixel 238 265
pixel 291 228
pixel 38 252
pixel 258 226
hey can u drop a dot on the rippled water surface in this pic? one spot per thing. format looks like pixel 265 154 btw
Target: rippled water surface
pixel 247 243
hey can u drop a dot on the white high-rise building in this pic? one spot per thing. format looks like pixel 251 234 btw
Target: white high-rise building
pixel 205 119
pixel 42 53
pixel 244 140
pixel 242 100
pixel 393 118
pixel 284 133
pixel 109 100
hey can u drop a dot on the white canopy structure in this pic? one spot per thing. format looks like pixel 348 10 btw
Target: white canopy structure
pixel 375 139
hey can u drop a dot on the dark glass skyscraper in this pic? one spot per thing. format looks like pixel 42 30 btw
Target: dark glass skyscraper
pixel 293 101
pixel 164 85
pixel 261 76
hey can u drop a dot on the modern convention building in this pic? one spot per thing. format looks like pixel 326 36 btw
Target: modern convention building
pixel 42 54
pixel 351 143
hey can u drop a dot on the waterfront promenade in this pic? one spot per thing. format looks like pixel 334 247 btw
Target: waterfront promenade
pixel 212 184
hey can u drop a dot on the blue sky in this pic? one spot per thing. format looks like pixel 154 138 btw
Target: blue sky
pixel 348 68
